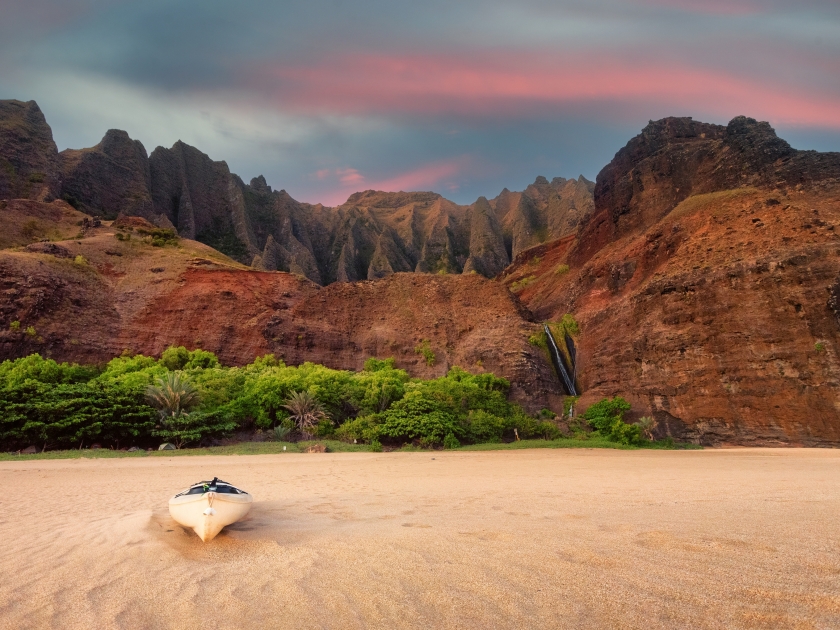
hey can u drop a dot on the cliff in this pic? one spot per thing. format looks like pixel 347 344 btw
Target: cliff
pixel 372 235
pixel 703 284
pixel 29 167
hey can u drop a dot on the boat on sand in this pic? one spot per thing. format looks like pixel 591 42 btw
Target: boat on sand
pixel 208 506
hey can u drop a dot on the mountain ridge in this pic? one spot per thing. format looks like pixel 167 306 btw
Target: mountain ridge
pixel 371 235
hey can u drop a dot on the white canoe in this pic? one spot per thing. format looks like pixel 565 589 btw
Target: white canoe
pixel 208 506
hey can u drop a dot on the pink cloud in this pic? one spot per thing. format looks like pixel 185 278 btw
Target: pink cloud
pixel 340 183
pixel 513 84
pixel 425 177
pixel 350 176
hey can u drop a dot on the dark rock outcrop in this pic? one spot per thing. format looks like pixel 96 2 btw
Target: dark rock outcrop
pixel 29 167
pixel 675 158
pixel 109 179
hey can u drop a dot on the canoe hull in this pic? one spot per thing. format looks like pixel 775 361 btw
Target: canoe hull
pixel 206 514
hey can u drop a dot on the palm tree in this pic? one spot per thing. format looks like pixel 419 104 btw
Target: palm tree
pixel 648 426
pixel 306 412
pixel 172 395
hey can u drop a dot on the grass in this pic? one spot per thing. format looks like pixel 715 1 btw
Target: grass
pixel 333 446
pixel 575 443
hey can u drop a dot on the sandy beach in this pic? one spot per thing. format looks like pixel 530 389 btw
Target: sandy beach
pixel 507 539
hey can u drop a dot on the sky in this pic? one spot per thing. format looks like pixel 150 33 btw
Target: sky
pixel 328 97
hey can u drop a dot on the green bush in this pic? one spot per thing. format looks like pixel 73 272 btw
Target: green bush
pixel 416 417
pixel 450 441
pixel 361 429
pixel 607 417
pixel 424 348
pixel 485 427
pixel 63 405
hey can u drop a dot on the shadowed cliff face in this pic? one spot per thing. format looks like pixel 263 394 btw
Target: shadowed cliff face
pixel 108 179
pixel 29 167
pixel 705 284
pixel 373 235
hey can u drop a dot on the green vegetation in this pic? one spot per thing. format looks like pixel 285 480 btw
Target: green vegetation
pixel 607 418
pixel 561 269
pixel 80 260
pixel 424 348
pixel 15 325
pixel 187 398
pixel 522 283
pixel 30 331
pixel 819 347
pixel 159 237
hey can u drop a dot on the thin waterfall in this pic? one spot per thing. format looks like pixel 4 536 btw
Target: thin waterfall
pixel 559 364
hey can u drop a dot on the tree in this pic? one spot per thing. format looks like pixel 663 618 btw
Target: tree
pixel 173 395
pixel 647 425
pixel 306 412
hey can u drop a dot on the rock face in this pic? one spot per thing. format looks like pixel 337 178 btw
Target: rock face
pixel 110 179
pixel 373 235
pixel 28 156
pixel 705 283
pixel 129 295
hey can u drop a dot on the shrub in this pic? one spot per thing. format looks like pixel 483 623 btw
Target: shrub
pixel 819 346
pixel 173 395
pixel 361 429
pixel 159 236
pixel 607 417
pixel 30 330
pixel 424 348
pixel 174 359
pixel 647 426
pixel 15 325
pixel 306 412
pixel 539 339
pixel 522 283
pixel 376 446
pixel 418 418
pixel 80 260
pixel 378 365
pixel 194 427
pixel 601 414
pixel 561 269
pixel 450 441
pixel 281 432
pixel 485 427
pixel 570 325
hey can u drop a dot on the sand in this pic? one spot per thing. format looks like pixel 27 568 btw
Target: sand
pixel 506 539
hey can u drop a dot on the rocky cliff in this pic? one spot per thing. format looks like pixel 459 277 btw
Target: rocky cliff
pixel 109 179
pixel 372 235
pixel 703 284
pixel 127 295
pixel 29 166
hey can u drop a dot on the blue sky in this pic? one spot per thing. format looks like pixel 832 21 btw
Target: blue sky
pixel 327 97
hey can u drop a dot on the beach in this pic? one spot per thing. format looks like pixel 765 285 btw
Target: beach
pixel 577 538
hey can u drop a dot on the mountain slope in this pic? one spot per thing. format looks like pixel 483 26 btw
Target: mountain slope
pixel 372 235
pixel 703 284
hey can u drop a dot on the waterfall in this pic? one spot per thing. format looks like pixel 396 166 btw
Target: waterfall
pixel 559 364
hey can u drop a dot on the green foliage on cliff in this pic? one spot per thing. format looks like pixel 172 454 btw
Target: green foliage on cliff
pixel 424 348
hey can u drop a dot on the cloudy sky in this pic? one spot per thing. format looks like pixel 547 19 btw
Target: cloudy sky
pixel 465 97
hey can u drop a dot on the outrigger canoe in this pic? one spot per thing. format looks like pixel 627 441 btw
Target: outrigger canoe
pixel 208 506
